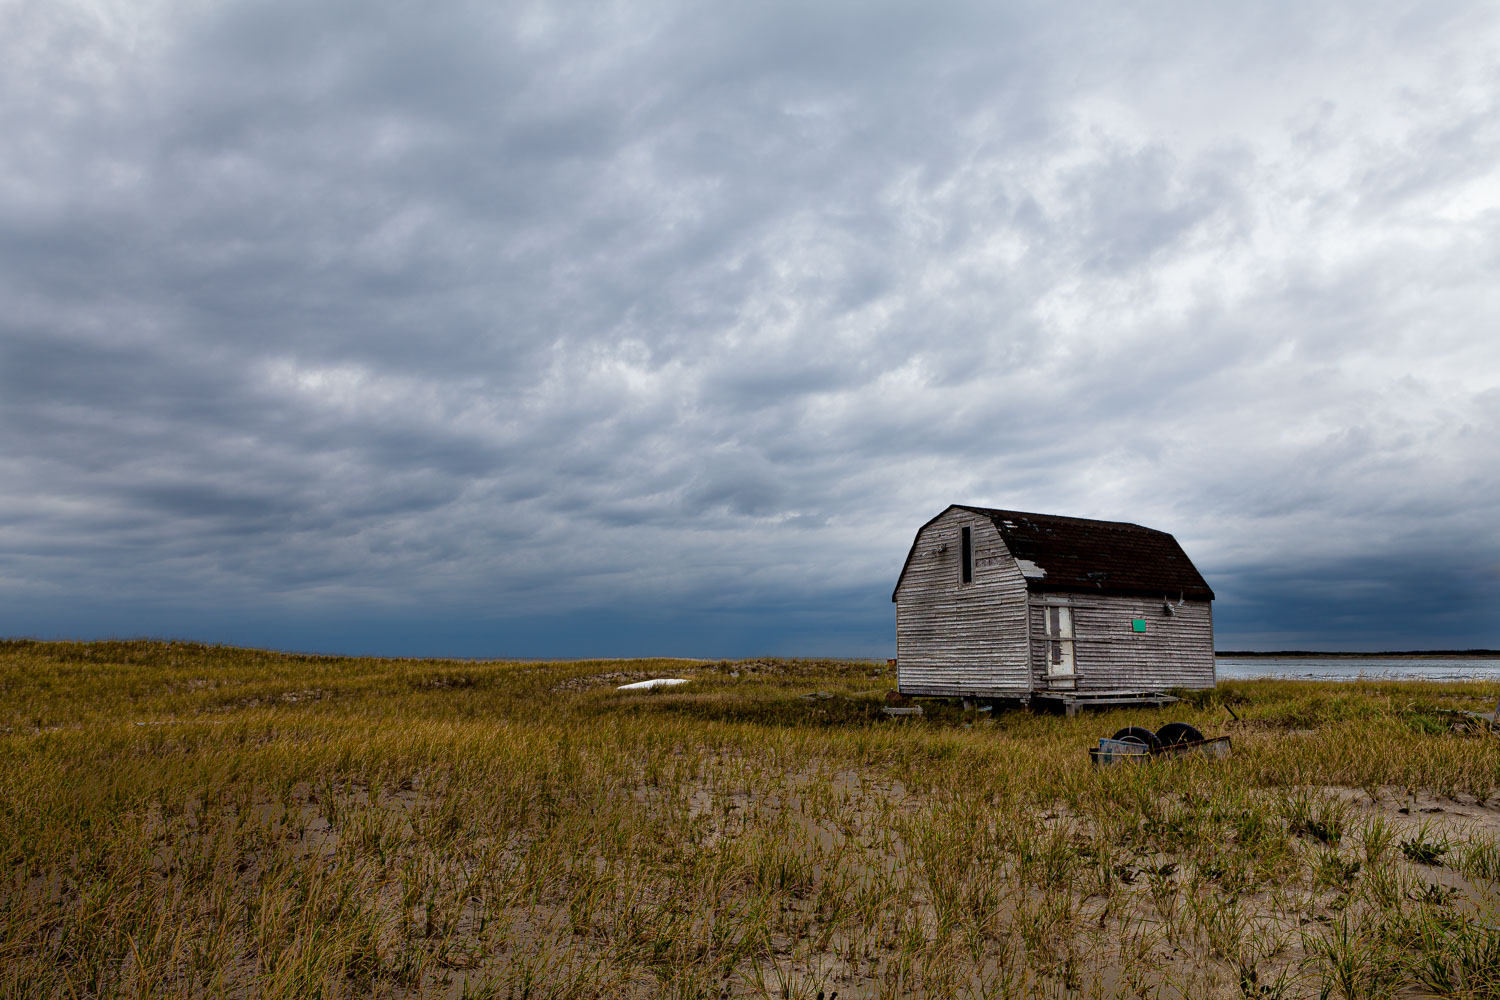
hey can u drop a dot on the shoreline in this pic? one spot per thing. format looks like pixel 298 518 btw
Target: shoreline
pixel 1303 654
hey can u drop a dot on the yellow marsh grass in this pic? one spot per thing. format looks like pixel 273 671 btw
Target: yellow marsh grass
pixel 187 821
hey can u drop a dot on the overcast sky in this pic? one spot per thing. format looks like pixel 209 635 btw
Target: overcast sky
pixel 557 329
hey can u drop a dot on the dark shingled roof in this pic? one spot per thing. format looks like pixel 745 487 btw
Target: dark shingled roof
pixel 1110 557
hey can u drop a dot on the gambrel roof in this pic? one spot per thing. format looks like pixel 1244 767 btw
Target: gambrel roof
pixel 1058 553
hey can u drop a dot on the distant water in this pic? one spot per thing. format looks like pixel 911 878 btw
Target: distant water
pixel 1338 669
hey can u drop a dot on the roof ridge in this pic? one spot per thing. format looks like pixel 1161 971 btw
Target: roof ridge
pixel 996 511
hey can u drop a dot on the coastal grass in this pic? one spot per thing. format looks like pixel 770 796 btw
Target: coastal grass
pixel 188 821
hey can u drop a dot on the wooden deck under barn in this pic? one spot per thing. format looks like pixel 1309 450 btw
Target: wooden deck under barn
pixel 1071 700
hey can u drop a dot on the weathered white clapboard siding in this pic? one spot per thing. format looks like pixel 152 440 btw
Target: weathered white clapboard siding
pixel 1176 650
pixel 954 638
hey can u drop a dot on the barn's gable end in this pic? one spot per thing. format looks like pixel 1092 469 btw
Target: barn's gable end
pixel 954 636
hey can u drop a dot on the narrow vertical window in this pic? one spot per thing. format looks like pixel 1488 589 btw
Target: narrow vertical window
pixel 966 554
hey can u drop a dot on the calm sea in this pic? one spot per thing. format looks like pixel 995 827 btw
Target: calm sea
pixel 1335 669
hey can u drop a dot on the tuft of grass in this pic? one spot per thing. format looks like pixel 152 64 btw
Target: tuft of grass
pixel 1317 817
pixel 1335 872
pixel 1375 838
pixel 1480 860
pixel 1458 959
pixel 1423 848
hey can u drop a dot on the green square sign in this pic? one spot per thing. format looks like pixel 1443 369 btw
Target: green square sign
pixel 1138 624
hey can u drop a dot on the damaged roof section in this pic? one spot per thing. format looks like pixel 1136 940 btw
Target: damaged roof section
pixel 1058 553
pixel 1030 570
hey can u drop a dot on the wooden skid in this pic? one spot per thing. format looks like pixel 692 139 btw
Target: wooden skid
pixel 1072 700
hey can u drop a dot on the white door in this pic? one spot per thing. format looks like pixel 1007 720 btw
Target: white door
pixel 1059 641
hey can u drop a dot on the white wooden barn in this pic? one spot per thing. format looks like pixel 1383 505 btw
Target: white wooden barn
pixel 1006 604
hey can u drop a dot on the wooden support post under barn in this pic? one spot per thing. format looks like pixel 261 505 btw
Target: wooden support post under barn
pixel 1037 607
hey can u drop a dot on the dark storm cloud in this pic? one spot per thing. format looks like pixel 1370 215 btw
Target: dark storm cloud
pixel 328 321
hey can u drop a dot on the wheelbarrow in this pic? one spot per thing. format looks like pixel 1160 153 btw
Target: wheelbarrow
pixel 1137 744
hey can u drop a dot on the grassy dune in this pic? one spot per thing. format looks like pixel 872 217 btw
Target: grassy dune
pixel 187 821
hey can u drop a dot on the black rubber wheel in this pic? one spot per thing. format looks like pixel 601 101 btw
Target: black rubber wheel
pixel 1174 733
pixel 1141 735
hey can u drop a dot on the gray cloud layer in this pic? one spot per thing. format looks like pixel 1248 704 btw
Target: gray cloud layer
pixel 668 324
